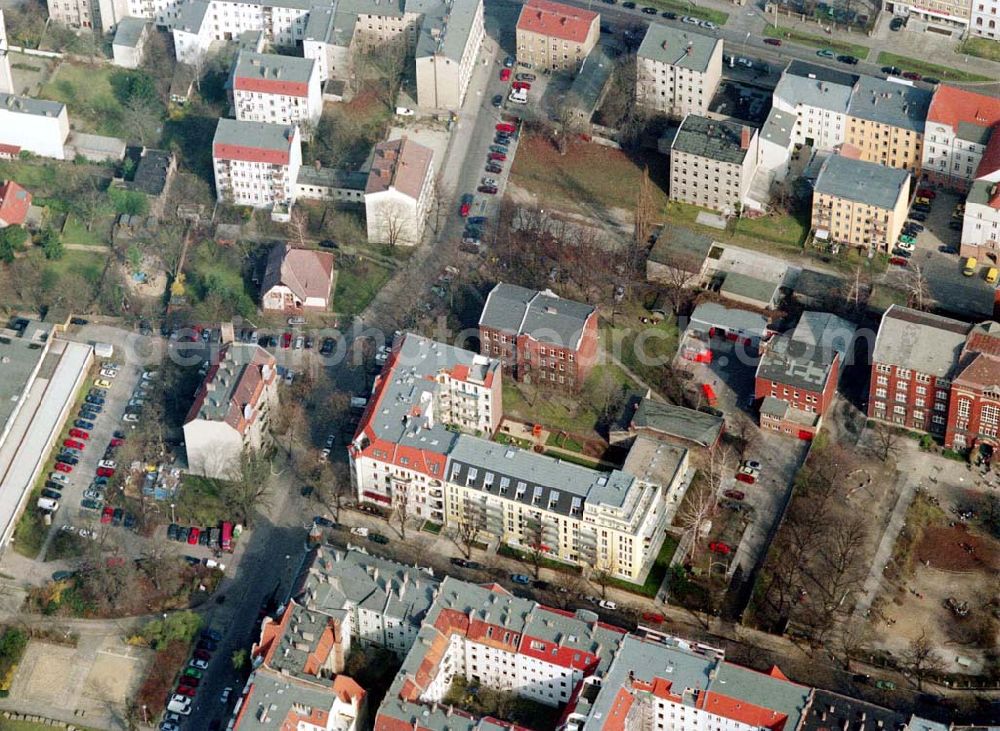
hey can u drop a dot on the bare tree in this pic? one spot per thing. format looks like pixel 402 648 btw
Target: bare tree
pixel 857 289
pixel 469 528
pixel 394 220
pixel 535 545
pixel 334 487
pixel 886 438
pixel 837 570
pixel 643 218
pixel 744 437
pixel 441 202
pixel 401 510
pixel 922 659
pixel 602 576
pixel 918 291
pixel 299 226
pixel 248 489
pixel 676 284
pixel 142 119
pixel 569 121
pixel 702 498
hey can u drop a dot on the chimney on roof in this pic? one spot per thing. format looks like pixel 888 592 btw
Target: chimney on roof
pixel 663 45
pixel 744 138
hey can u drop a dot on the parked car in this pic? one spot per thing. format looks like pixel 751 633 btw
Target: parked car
pixel 653 617
pixel 63 467
pixel 897 251
pixel 947 249
pixel 90 504
pixel 198 663
pixel 913 226
pixel 650 11
pixel 224 696
pixel 505 74
pixel 720 547
pixel 51 494
pixel 607 604
pixel 73 444
pixel 508 62
pixel 927 193
pixel 826 53
pixel 898 261
pixel 494 168
pixel 897 23
pixel 105 472
pixel 83 424
pixel 497 100
pixel 378 538
pixel 849 60
pixel 498 156
pixel 62 479
pixel 95 400
pixel 107 514
pixel 520 579
pixel 108 373
pixel 506 127
pixel 79 434
pixel 488 189
pixel 526 77
pixel 918 216
pixel 521 85
pixel 193 536
pixel 772 41
pixel 912 75
pixel 932 81
pixel 286 340
pixel 734 494
pixel 93 495
pixel 102 383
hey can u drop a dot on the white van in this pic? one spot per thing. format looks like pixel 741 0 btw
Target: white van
pixel 48 504
pixel 518 96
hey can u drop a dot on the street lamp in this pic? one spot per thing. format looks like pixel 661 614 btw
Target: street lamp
pixel 172 518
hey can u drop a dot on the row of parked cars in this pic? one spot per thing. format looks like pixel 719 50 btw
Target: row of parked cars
pixel 220 536
pixel 189 680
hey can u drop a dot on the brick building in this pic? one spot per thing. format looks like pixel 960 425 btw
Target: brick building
pixel 538 335
pixel 974 407
pixel 915 359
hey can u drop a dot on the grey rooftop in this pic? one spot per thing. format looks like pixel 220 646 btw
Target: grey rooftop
pixel 920 341
pixel 678 47
pixel 274 67
pixel 712 138
pixel 862 182
pixel 541 315
pixel 129 32
pixel 260 135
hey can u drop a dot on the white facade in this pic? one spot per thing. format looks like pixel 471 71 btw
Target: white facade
pixel 102 15
pixel 128 49
pixel 677 72
pixel 36 125
pixel 249 179
pixel 981 221
pixel 263 100
pixel 985 21
pixel 443 75
pixel 394 215
pixel 822 128
pixel 945 155
pixel 6 78
pixel 196 23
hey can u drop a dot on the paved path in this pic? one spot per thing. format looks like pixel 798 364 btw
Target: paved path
pixel 907 487
pixel 88 247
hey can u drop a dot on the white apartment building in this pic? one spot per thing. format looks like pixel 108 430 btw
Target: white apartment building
pixel 407 451
pixel 960 125
pixel 448 44
pixel 101 15
pixel 256 164
pixel 712 163
pixel 818 98
pixel 985 19
pixel 6 77
pixel 231 410
pixel 197 23
pixel 677 71
pixel 276 89
pixel 36 125
pixel 981 222
pixel 399 192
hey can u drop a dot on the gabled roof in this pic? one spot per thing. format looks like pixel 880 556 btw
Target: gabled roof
pixel 543 316
pixel 14 204
pixel 400 164
pixel 232 388
pixel 556 20
pixel 129 32
pixel 308 273
pixel 677 421
pixel 862 182
pixel 889 103
pixel 953 107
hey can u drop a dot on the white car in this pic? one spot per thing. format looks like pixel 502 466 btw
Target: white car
pixel 199 663
pixel 150 375
pixel 490 181
pixel 689 20
pixel 59 477
pixel 92 495
pixel 108 373
pixel 138 401
pixel 708 24
pixel 226 692
pixel 905 246
pixel 131 418
pixel 745 62
pixel 607 604
pixel 109 464
pixel 68 528
pixel 88 533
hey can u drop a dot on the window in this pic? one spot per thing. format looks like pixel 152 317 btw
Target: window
pixel 964 407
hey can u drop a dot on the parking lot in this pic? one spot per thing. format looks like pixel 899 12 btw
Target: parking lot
pixel 954 292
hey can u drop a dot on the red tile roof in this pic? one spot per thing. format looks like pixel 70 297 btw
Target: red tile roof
pixel 556 20
pixel 990 161
pixel 14 204
pixel 9 150
pixel 951 106
pixel 742 711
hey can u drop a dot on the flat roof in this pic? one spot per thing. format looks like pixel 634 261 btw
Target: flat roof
pixel 445 27
pixel 862 182
pixel 21 351
pixel 796 364
pixel 748 287
pixel 28 443
pixel 712 138
pixel 715 315
pixel 778 127
pixel 678 47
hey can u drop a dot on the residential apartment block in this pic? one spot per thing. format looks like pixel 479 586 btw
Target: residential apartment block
pixel 984 20
pixel 554 36
pixel 276 89
pixel 885 122
pixel 960 126
pixel 408 448
pixel 399 192
pixel 231 411
pixel 712 163
pixel 257 164
pixel 448 43
pixel 860 203
pixel 677 71
pixel 102 15
pixel 538 336
pixel 818 98
pixel 981 222
pixel 38 126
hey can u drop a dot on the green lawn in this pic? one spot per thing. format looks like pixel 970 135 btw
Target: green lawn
pixel 558 439
pixel 982 47
pixel 357 285
pixel 681 7
pixel 86 90
pixel 545 563
pixel 8 724
pixel 656 573
pixel 929 69
pixel 75 232
pixel 808 39
pixel 199 502
pixel 88 264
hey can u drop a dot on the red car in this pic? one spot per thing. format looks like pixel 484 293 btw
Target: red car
pixel 116 442
pixel 189 680
pixel 522 85
pixel 188 690
pixel 772 41
pixel 202 655
pixel 653 617
pixel 286 340
pixel 734 494
pixel 73 444
pixel 912 76
pixel 506 127
pixel 107 514
pixel 504 74
pixel 63 467
pixel 924 192
pixel 101 471
pixel 720 547
pixel 193 536
pixel 79 434
pixel 496 156
pixel 463 211
pixel 746 477
pixel 898 261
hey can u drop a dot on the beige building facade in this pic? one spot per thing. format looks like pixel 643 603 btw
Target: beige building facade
pixel 712 163
pixel 677 71
pixel 555 36
pixel 860 203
